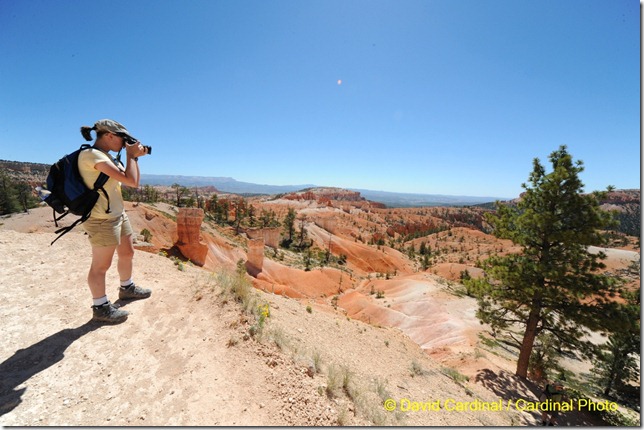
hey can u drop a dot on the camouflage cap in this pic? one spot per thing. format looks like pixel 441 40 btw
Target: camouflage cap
pixel 111 126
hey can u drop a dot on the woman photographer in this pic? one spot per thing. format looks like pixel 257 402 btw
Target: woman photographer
pixel 108 227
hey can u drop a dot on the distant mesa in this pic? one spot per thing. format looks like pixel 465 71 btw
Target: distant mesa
pixel 322 194
pixel 391 199
pixel 328 195
pixel 225 184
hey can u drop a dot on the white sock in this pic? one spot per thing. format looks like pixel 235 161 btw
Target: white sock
pixel 100 301
pixel 127 283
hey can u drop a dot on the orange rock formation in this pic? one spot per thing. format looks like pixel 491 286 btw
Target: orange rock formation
pixel 188 232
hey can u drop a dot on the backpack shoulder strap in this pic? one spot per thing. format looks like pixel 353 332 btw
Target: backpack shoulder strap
pixel 99 185
pixel 102 178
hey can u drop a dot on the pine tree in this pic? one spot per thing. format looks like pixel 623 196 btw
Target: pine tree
pixel 241 212
pixel 552 286
pixel 303 233
pixel 223 210
pixel 617 363
pixel 180 191
pixel 14 196
pixel 250 212
pixel 25 196
pixel 289 226
pixel 268 218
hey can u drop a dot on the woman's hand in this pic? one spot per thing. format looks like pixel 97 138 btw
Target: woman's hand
pixel 136 150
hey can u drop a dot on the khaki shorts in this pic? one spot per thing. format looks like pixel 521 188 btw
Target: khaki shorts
pixel 107 232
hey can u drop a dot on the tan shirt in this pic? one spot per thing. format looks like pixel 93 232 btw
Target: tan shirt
pixel 86 162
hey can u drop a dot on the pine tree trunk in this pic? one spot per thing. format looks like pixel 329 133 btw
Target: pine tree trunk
pixel 528 339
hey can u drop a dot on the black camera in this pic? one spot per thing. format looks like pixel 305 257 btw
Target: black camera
pixel 129 141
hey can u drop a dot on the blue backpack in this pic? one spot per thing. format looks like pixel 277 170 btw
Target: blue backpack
pixel 68 193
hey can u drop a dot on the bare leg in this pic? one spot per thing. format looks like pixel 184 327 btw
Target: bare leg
pixel 101 262
pixel 125 252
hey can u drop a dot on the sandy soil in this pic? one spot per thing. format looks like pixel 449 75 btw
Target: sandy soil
pixel 182 361
pixel 185 357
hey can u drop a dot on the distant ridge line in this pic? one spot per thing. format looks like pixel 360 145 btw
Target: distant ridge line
pixel 393 199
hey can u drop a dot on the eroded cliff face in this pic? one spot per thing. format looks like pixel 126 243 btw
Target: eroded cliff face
pixel 271 235
pixel 255 262
pixel 188 235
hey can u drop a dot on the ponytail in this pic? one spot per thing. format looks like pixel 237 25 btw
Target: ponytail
pixel 87 132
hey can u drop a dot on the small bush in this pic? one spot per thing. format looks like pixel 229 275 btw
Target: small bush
pixel 454 374
pixel 381 389
pixel 262 313
pixel 279 338
pixel 317 361
pixel 416 369
pixel 333 381
pixel 237 288
pixel 147 236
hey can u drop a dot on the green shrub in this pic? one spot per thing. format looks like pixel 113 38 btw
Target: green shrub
pixel 147 236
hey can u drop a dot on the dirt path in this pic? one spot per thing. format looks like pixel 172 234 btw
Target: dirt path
pixel 167 365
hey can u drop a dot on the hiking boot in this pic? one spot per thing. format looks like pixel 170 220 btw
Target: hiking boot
pixel 108 313
pixel 132 292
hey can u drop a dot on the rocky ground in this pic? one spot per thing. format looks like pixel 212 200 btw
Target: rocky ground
pixel 193 355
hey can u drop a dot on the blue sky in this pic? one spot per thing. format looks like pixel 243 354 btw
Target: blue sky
pixel 439 97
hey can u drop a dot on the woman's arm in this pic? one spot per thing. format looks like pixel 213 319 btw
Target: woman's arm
pixel 131 176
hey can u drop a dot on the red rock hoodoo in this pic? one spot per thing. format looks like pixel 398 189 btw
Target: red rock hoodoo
pixel 188 232
pixel 255 262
